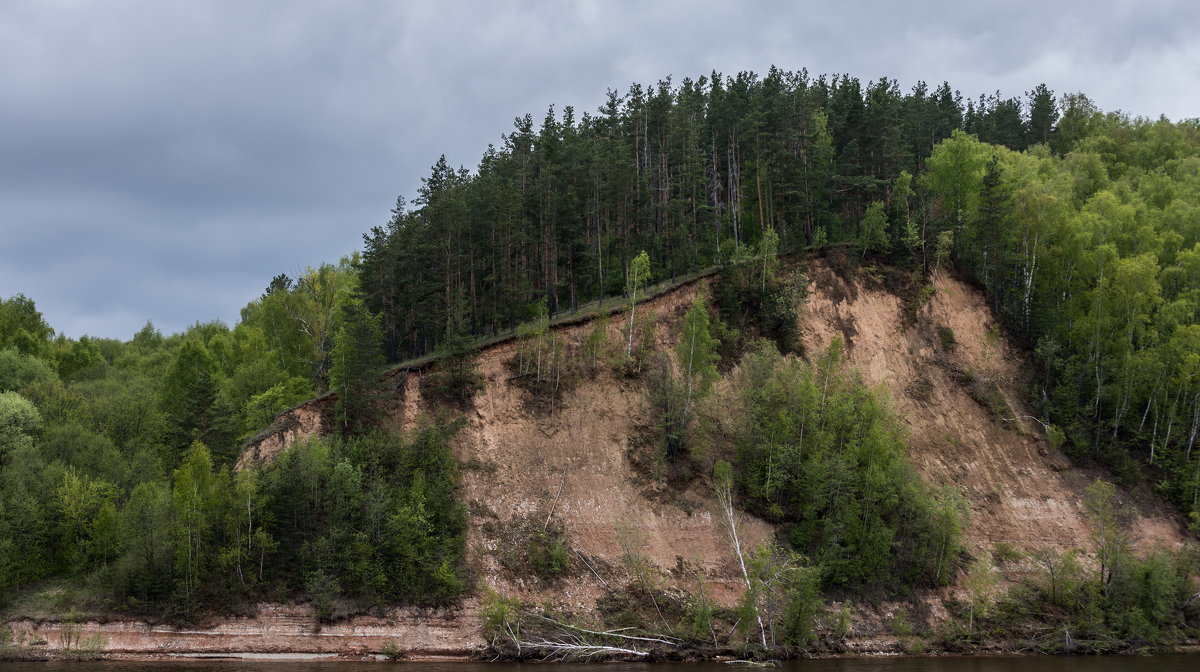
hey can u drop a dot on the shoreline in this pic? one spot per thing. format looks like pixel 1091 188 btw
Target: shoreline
pixel 286 633
pixel 275 631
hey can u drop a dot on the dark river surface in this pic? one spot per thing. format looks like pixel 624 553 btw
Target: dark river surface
pixel 1158 663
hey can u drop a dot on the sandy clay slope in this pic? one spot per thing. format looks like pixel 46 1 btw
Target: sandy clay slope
pixel 527 462
pixel 573 462
pixel 1021 492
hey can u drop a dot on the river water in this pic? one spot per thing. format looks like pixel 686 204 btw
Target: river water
pixel 1158 663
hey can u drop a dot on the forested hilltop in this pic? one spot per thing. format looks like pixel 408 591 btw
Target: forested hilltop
pixel 1082 226
pixel 118 492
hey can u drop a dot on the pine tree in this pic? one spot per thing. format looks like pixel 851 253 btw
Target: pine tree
pixel 456 377
pixel 357 358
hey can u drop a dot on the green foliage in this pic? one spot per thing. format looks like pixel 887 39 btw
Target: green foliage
pixel 955 172
pixel 392 650
pixel 768 255
pixel 399 492
pixel 900 625
pixel 669 407
pixel 951 512
pixel 980 581
pixel 1121 602
pixel 22 326
pixel 696 352
pixel 188 396
pixel 18 369
pixel 543 363
pixel 699 618
pixel 20 423
pixel 842 623
pixel 1089 250
pixel 943 248
pixel 1112 542
pixel 635 284
pixel 501 615
pixel 947 338
pixel 320 582
pixel 872 230
pixel 821 454
pixel 820 239
pixel 549 556
pixel 456 377
pixel 1005 552
pixel 262 409
pixel 122 406
pixel 196 495
pixel 356 359
pixel 717 170
pixel 1147 603
pixel 300 319
pixel 803 603
pixel 84 494
pixel 533 546
pixel 1088 254
pixel 597 348
pixel 77 360
pixel 749 307
pixel 674 389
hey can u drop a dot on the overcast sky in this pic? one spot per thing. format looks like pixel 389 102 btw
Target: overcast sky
pixel 164 160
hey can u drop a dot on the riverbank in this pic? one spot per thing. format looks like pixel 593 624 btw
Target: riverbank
pixel 276 631
pixel 290 632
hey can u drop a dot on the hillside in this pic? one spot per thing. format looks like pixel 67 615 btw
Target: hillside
pixel 1022 493
pixel 528 465
pixel 916 429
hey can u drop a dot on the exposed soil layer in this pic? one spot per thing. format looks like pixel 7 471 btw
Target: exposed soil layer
pixel 565 459
pixel 299 423
pixel 284 630
pixel 957 384
pixel 572 463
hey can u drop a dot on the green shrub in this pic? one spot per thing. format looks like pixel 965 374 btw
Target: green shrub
pixel 900 625
pixel 1006 552
pixel 823 455
pixel 947 339
pixel 843 623
pixel 549 556
pixel 501 615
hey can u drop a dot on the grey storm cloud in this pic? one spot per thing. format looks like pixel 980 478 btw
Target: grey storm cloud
pixel 163 161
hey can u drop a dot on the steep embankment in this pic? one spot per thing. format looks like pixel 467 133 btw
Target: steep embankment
pixel 527 463
pixel 572 463
pixel 958 384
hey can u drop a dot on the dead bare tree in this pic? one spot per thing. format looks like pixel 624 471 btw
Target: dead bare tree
pixel 723 484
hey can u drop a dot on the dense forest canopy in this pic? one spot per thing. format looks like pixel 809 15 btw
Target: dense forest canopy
pixel 1082 226
pixel 689 172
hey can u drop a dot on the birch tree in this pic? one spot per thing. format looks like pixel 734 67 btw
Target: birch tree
pixel 635 286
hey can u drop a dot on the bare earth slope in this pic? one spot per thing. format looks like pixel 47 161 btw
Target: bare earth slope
pixel 573 462
pixel 527 463
pixel 1021 492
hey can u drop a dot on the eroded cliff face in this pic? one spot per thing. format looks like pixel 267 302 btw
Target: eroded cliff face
pixel 950 374
pixel 297 424
pixel 958 385
pixel 571 461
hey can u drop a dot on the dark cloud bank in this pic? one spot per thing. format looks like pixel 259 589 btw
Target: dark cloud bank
pixel 164 160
